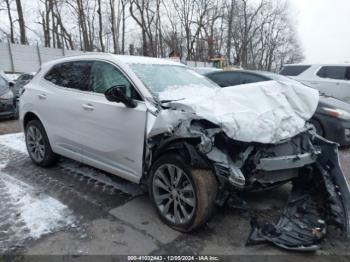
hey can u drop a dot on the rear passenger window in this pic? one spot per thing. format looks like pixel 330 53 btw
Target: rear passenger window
pixel 75 75
pixel 294 70
pixel 334 72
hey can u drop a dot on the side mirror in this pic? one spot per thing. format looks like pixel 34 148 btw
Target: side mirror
pixel 117 94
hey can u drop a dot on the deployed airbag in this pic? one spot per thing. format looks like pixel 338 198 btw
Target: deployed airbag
pixel 265 112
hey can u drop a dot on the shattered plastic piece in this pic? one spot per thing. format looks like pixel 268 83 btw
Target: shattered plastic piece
pixel 236 177
pixel 287 162
pixel 314 203
pixel 299 228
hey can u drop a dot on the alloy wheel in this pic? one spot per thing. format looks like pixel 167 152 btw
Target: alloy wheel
pixel 174 194
pixel 35 144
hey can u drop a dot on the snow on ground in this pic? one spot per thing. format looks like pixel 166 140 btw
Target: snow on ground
pixel 41 213
pixel 17 142
pixel 14 141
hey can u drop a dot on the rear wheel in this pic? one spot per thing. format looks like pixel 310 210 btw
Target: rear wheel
pixel 184 197
pixel 38 144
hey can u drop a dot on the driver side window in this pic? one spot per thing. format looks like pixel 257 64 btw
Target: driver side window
pixel 104 76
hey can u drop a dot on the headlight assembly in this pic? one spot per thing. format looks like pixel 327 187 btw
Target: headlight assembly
pixel 338 113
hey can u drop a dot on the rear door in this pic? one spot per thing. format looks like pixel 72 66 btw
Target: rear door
pixel 112 136
pixel 57 98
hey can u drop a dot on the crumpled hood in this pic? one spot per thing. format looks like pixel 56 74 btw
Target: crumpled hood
pixel 264 112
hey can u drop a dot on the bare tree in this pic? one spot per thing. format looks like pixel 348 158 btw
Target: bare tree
pixel 22 28
pixel 144 14
pixel 123 3
pixel 9 15
pixel 254 34
pixel 100 22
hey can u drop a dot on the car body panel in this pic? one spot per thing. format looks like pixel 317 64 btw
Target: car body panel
pixel 51 100
pixel 112 135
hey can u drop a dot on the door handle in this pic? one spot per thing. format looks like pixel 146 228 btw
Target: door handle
pixel 42 96
pixel 88 107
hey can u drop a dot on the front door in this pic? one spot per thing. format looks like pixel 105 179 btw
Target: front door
pixel 112 135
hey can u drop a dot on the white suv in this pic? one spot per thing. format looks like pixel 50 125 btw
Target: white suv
pixel 159 123
pixel 333 80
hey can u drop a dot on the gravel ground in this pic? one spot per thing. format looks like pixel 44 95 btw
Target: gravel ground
pixel 9 126
pixel 110 216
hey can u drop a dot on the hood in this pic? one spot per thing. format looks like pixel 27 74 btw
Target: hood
pixel 264 112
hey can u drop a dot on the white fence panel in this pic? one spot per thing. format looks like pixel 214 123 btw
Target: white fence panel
pixel 25 58
pixel 48 54
pixel 72 52
pixel 5 59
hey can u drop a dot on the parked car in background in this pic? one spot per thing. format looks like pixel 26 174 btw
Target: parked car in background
pixel 333 80
pixel 20 82
pixel 331 119
pixel 8 106
pixel 159 123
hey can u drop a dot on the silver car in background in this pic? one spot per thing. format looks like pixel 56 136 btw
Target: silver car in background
pixel 333 80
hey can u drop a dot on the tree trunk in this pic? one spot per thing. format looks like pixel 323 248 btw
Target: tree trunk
pixel 22 28
pixel 99 12
pixel 113 27
pixel 12 37
pixel 123 27
pixel 229 31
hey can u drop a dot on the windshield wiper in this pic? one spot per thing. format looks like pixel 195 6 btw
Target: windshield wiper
pixel 170 100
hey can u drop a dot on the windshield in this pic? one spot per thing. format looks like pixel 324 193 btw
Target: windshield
pixel 158 78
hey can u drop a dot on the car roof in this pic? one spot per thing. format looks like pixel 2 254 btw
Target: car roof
pixel 341 64
pixel 126 59
pixel 254 72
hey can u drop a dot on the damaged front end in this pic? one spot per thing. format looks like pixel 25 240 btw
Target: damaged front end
pixel 320 195
pixel 319 198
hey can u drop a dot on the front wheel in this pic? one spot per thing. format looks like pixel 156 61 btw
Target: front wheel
pixel 184 197
pixel 38 144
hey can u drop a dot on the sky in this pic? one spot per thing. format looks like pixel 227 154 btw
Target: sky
pixel 324 29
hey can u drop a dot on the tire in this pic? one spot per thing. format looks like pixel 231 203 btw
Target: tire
pixel 201 196
pixel 43 154
pixel 317 127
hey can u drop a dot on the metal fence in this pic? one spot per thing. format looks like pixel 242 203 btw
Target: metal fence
pixel 15 58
